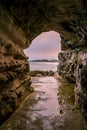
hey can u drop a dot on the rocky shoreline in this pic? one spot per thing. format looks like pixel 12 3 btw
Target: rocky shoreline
pixel 30 114
pixel 18 29
pixel 40 73
pixel 18 89
pixel 73 68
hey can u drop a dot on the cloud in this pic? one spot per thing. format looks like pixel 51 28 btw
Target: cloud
pixel 46 45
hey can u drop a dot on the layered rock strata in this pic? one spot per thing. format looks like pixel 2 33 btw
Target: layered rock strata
pixel 14 78
pixel 73 67
pixel 67 17
pixel 67 64
pixel 81 83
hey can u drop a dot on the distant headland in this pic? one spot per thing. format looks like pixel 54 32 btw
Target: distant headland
pixel 44 60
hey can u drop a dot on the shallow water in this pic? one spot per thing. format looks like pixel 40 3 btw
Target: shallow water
pixel 41 110
pixel 38 109
pixel 43 66
pixel 48 101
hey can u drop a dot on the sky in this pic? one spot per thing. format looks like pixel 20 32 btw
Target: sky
pixel 47 45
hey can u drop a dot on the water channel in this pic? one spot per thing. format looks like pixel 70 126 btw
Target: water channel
pixel 41 110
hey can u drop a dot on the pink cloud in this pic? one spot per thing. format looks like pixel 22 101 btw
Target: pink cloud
pixel 46 45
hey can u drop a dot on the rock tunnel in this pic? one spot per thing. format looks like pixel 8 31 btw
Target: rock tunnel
pixel 20 22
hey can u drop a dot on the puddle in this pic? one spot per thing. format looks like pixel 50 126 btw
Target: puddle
pixel 48 100
pixel 41 110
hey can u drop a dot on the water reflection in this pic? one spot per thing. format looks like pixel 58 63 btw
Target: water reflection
pixel 41 110
pixel 48 102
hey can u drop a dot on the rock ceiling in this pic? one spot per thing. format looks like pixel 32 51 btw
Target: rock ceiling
pixel 67 17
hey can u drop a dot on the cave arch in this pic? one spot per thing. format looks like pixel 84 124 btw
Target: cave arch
pixel 47 45
pixel 30 18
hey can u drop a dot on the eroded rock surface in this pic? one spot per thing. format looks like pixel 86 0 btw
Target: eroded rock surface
pixel 20 22
pixel 67 17
pixel 73 66
pixel 14 79
pixel 50 107
pixel 67 64
pixel 81 83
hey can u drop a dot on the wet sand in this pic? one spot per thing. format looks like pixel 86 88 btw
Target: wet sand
pixel 45 109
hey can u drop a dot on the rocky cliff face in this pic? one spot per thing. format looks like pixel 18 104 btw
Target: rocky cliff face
pixel 14 79
pixel 73 67
pixel 81 83
pixel 67 65
pixel 20 22
pixel 66 17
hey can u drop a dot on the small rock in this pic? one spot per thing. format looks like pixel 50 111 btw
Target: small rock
pixel 0 97
pixel 39 75
pixel 61 111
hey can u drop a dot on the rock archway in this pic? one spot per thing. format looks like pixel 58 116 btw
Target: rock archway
pixel 66 17
pixel 46 45
pixel 20 22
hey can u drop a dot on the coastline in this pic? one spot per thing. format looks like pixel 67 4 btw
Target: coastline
pixel 30 115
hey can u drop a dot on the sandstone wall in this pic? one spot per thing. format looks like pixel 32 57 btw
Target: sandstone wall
pixel 67 17
pixel 73 67
pixel 14 79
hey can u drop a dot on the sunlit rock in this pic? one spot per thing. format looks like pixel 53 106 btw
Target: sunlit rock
pixel 20 22
pixel 14 79
pixel 81 83
pixel 67 65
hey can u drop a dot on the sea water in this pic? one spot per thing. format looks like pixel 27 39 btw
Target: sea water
pixel 43 66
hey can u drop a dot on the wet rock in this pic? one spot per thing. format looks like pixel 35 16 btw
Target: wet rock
pixel 8 95
pixel 73 67
pixel 38 72
pixel 70 20
pixel 72 26
pixel 38 75
pixel 51 73
pixel 20 91
pixel 0 97
pixel 67 65
pixel 61 111
pixel 81 84
pixel 3 78
pixel 14 69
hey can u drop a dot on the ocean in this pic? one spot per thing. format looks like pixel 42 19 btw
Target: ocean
pixel 44 66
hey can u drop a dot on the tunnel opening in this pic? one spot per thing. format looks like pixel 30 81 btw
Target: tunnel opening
pixel 43 52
